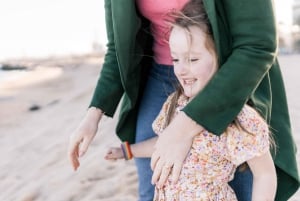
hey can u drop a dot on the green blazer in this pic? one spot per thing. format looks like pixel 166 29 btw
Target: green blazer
pixel 245 35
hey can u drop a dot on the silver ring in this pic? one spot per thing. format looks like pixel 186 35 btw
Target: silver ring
pixel 167 167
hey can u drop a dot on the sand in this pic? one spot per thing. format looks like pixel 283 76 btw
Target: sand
pixel 39 110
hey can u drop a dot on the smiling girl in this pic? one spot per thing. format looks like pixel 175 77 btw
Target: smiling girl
pixel 212 160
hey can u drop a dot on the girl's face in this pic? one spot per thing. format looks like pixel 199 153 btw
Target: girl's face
pixel 194 64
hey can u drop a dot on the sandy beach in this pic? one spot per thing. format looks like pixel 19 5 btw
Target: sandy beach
pixel 39 110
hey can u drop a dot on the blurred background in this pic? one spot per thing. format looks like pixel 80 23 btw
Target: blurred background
pixel 51 52
pixel 288 18
pixel 39 28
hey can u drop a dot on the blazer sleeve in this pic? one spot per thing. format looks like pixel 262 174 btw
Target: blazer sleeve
pixel 252 31
pixel 109 89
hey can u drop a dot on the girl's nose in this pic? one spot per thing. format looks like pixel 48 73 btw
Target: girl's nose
pixel 181 68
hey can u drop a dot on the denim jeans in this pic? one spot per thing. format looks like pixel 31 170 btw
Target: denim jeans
pixel 161 83
pixel 242 184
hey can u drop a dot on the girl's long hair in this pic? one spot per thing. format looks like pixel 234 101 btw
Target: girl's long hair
pixel 194 14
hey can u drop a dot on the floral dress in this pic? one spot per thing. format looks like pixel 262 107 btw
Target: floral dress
pixel 213 159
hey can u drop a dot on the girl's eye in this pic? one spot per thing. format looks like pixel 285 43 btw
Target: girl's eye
pixel 175 60
pixel 193 60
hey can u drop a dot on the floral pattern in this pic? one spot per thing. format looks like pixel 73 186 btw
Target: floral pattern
pixel 213 159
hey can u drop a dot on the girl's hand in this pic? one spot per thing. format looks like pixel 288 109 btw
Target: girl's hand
pixel 172 148
pixel 83 136
pixel 114 153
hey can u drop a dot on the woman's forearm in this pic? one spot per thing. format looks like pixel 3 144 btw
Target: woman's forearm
pixel 184 125
pixel 94 113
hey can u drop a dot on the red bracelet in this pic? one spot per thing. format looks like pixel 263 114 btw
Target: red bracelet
pixel 125 146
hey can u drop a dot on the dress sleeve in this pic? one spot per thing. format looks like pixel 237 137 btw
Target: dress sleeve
pixel 247 138
pixel 159 124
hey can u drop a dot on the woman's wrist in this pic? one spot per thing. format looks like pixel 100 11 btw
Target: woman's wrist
pixel 186 125
pixel 94 113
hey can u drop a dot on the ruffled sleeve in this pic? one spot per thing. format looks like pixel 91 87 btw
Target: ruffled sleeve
pixel 247 138
pixel 159 123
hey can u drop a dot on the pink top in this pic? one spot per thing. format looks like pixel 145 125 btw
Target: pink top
pixel 157 12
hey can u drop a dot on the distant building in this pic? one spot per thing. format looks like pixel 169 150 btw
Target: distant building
pixel 296 26
pixel 285 38
pixel 296 12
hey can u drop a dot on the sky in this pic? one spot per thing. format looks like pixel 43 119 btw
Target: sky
pixel 49 27
pixel 40 28
pixel 283 10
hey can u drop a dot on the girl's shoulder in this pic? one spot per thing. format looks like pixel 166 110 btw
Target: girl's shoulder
pixel 247 137
pixel 251 121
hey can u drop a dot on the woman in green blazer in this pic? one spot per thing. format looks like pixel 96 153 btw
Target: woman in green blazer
pixel 246 41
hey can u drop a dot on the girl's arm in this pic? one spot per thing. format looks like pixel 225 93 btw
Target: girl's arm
pixel 264 177
pixel 142 149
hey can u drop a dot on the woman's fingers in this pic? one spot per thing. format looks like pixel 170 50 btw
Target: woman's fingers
pixel 176 171
pixel 171 154
pixel 161 166
pixel 154 159
pixel 83 135
pixel 73 154
pixel 165 172
pixel 84 145
pixel 171 148
pixel 156 173
pixel 164 168
pixel 78 145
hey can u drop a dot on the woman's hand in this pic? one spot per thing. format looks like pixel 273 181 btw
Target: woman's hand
pixel 83 136
pixel 172 148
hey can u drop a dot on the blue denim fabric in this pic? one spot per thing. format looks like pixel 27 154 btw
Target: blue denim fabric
pixel 161 83
pixel 242 184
